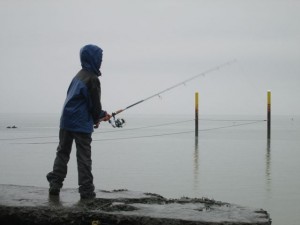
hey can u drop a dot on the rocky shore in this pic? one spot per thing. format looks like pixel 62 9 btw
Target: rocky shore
pixel 32 205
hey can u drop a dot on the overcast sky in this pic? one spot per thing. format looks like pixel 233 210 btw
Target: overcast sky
pixel 149 46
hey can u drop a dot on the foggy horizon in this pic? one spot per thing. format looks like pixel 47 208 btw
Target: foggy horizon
pixel 151 46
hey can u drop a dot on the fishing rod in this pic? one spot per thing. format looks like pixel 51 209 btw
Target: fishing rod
pixel 119 122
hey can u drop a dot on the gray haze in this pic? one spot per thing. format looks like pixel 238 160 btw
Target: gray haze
pixel 149 46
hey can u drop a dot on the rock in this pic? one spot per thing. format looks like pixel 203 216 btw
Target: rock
pixel 33 205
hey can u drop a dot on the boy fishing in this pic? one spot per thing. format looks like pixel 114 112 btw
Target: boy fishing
pixel 82 112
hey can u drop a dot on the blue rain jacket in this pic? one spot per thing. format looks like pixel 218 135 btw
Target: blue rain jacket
pixel 82 108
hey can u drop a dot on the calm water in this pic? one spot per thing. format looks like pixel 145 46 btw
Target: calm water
pixel 231 161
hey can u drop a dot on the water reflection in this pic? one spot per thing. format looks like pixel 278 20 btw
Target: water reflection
pixel 268 165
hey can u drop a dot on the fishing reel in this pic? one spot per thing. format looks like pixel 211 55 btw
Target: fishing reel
pixel 116 122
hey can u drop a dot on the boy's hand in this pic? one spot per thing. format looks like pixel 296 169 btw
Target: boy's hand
pixel 106 118
pixel 97 125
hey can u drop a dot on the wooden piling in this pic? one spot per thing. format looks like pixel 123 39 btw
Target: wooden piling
pixel 269 114
pixel 196 113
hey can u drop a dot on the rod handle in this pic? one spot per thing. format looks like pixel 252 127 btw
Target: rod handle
pixel 117 112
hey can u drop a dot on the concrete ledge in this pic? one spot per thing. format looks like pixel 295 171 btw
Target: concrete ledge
pixel 33 205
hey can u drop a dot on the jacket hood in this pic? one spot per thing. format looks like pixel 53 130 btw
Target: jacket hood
pixel 91 58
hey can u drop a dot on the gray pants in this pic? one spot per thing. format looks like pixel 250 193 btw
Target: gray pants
pixel 84 161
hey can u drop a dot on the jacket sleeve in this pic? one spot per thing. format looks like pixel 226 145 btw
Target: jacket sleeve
pixel 95 93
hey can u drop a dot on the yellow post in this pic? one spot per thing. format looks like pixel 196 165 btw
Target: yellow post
pixel 196 113
pixel 269 115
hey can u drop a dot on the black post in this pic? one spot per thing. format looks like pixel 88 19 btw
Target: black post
pixel 269 115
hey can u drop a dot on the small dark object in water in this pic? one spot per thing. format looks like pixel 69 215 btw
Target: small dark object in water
pixel 14 126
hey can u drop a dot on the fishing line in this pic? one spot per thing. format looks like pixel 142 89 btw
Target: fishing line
pixel 156 135
pixel 145 127
pixel 172 123
pixel 234 125
pixel 136 128
pixel 101 132
pixel 228 120
pixel 176 133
